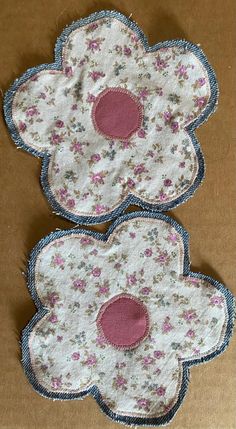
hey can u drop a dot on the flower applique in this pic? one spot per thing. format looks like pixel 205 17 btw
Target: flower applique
pixel 121 317
pixel 113 119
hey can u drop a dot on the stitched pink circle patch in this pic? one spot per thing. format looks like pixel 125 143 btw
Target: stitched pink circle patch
pixel 117 113
pixel 124 321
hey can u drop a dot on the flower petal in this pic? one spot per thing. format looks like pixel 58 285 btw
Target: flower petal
pixel 56 356
pixel 158 171
pixel 38 110
pixel 140 383
pixel 203 323
pixel 62 342
pixel 107 47
pixel 179 88
pixel 144 255
pixel 160 165
pixel 47 107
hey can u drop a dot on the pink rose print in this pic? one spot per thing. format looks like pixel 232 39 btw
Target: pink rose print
pixel 96 75
pixel 53 318
pixel 162 196
pixel 101 341
pixel 163 258
pixel 160 64
pixel 141 133
pixel 181 71
pixel 191 333
pixel 172 238
pixel 200 102
pixel 168 117
pixel 80 285
pixel 158 354
pixel 201 81
pixel 96 272
pixel 59 338
pixel 132 279
pixel 120 316
pixel 143 404
pixel 103 288
pixel 59 124
pixel 216 301
pixel 139 169
pixel 147 361
pixel 98 178
pixel 160 391
pixel 99 208
pixel 95 157
pixel 130 183
pixel 52 299
pixel 75 356
pixel 167 182
pixel 56 382
pixel 68 71
pixel 91 98
pixel 91 360
pixel 85 241
pixel 76 147
pixel 127 51
pixel 145 291
pixel 144 93
pixel 148 252
pixel 32 111
pixel 189 315
pixel 58 261
pixel 22 126
pixel 55 138
pixel 55 115
pixel 119 382
pixel 94 44
pixel 166 325
pixel 70 203
pixel 174 126
pixel 117 321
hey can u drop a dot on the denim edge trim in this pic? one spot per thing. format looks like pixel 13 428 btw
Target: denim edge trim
pixel 57 65
pixel 94 391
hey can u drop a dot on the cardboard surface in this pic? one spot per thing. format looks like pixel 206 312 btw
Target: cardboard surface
pixel 28 33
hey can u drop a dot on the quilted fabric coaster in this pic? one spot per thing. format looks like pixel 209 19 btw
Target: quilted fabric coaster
pixel 113 119
pixel 121 317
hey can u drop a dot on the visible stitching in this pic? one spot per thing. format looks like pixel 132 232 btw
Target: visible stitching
pixel 114 299
pixel 125 91
pixel 130 199
pixel 94 391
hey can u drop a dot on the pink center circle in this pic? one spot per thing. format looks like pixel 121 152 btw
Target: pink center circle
pixel 117 113
pixel 123 321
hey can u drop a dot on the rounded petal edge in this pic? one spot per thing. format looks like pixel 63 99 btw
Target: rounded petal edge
pixel 94 390
pixel 210 107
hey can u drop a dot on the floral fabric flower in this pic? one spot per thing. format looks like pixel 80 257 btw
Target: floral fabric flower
pixel 72 347
pixel 114 119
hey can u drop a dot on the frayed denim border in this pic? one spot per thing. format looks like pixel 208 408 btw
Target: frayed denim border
pixel 57 65
pixel 94 391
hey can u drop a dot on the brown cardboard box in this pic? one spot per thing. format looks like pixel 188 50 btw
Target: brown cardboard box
pixel 28 32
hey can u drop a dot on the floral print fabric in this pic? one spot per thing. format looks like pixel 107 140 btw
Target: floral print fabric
pixel 99 156
pixel 87 175
pixel 76 273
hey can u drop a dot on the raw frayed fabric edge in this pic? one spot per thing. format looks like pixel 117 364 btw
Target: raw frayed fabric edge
pixel 94 391
pixel 57 65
